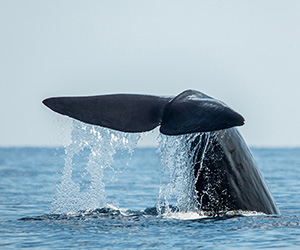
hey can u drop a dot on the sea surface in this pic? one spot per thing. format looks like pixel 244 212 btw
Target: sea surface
pixel 103 192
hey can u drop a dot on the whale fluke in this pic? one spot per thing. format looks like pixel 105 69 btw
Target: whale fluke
pixel 123 112
pixel 191 111
pixel 226 176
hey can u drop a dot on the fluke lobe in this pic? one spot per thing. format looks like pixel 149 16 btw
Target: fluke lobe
pixel 226 175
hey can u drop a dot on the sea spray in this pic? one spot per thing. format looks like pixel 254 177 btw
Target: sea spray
pixel 86 190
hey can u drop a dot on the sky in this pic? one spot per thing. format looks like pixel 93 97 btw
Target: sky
pixel 245 53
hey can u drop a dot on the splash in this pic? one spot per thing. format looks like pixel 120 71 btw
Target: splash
pixel 97 147
pixel 178 177
pixel 91 153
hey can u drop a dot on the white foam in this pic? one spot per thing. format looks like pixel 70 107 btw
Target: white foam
pixel 184 216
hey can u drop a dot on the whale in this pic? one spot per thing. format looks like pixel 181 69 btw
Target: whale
pixel 226 175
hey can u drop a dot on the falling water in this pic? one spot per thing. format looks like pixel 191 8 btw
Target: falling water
pixel 91 152
pixel 87 191
pixel 177 167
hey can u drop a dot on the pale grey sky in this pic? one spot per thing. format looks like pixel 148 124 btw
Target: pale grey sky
pixel 245 53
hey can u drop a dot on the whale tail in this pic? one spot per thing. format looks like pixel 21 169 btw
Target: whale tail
pixel 190 111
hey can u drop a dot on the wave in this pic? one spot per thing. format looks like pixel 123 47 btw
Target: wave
pixel 113 213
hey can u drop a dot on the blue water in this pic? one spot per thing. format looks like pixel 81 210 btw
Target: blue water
pixel 36 209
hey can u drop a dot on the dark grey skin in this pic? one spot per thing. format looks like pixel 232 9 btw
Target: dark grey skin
pixel 189 112
pixel 237 182
pixel 226 175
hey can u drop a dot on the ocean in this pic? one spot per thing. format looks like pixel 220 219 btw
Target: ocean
pixel 103 192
